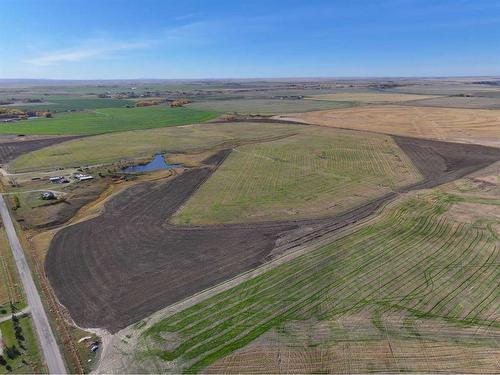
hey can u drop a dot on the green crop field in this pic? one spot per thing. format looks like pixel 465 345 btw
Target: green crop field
pixel 108 120
pixel 266 106
pixel 413 290
pixel 315 173
pixel 108 148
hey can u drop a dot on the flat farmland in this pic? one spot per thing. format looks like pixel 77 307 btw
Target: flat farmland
pixel 112 281
pixel 403 293
pixel 109 148
pixel 13 149
pixel 316 173
pixel 449 124
pixel 108 120
pixel 370 97
pixel 266 106
pixel 479 102
pixel 100 268
pixel 63 103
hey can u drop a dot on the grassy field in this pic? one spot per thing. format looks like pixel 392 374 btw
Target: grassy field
pixel 449 124
pixel 62 103
pixel 316 173
pixel 113 147
pixel 29 358
pixel 266 106
pixel 414 290
pixel 108 120
pixel 10 287
pixel 370 97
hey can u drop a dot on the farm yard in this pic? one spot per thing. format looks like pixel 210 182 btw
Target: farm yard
pixel 448 124
pixel 343 226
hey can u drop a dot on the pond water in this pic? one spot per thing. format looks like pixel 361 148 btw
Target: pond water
pixel 158 162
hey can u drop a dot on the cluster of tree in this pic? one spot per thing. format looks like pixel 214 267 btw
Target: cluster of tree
pixel 179 102
pixel 3 362
pixel 43 114
pixel 18 329
pixel 149 102
pixel 23 100
pixel 12 113
pixel 12 352
pixel 20 114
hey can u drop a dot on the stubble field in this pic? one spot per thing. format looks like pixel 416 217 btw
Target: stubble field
pixel 449 124
pixel 370 97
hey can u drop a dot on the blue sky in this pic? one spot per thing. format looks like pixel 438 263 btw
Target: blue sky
pixel 109 39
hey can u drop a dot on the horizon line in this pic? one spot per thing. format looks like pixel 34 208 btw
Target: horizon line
pixel 254 78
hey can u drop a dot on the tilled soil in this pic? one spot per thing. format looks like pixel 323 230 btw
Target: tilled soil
pixel 115 269
pixel 11 150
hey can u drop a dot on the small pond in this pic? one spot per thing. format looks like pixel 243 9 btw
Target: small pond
pixel 158 162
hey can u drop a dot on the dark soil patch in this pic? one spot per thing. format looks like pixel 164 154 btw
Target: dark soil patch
pixel 127 263
pixel 11 150
pixel 122 266
pixel 441 162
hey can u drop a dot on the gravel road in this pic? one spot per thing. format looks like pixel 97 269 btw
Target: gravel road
pixel 50 349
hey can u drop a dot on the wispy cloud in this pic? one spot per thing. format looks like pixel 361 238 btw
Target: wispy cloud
pixel 86 51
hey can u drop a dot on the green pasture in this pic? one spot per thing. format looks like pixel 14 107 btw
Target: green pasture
pixel 108 120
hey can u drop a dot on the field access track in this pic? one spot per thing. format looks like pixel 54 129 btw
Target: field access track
pixel 115 269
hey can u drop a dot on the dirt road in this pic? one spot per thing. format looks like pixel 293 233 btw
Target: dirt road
pixel 50 349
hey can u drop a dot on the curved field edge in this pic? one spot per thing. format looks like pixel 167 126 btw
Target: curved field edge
pixel 109 148
pixel 414 262
pixel 313 174
pixel 107 120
